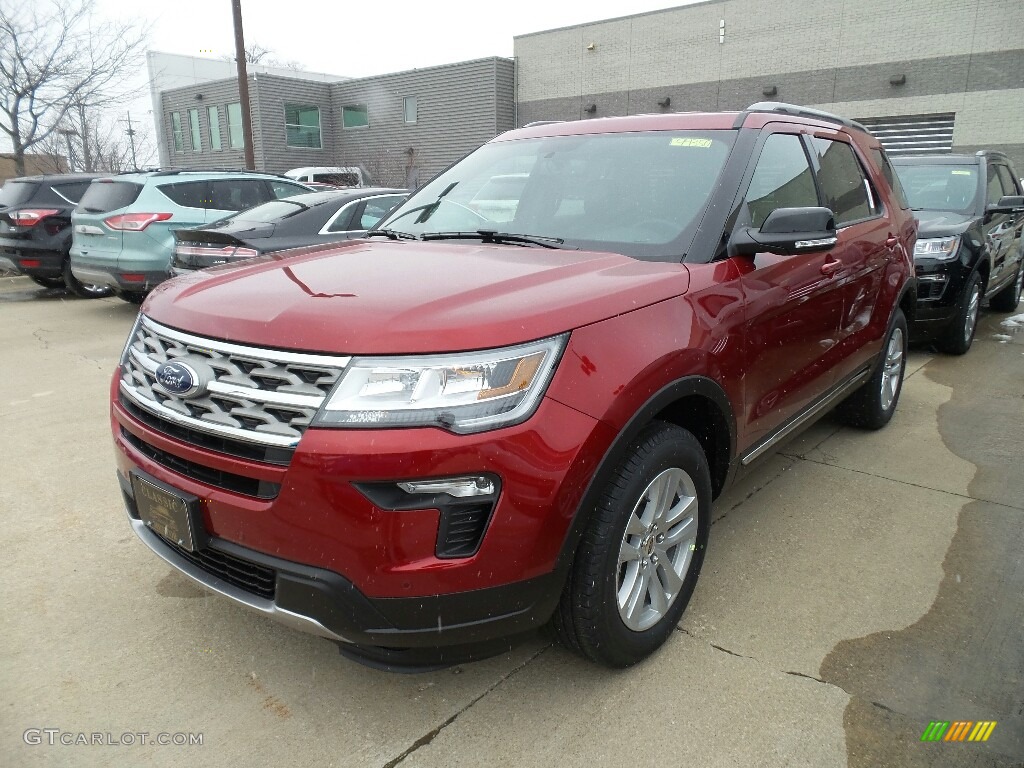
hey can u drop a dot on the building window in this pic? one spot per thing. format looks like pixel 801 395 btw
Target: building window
pixel 354 116
pixel 193 128
pixel 235 139
pixel 213 115
pixel 176 132
pixel 302 126
pixel 410 109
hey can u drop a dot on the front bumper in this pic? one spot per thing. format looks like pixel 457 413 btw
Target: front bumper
pixel 940 285
pixel 346 569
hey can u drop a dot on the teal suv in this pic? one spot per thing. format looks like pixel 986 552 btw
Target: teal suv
pixel 123 226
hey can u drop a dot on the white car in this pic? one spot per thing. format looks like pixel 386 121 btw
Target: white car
pixel 339 176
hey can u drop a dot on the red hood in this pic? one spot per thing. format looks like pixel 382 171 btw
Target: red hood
pixel 373 297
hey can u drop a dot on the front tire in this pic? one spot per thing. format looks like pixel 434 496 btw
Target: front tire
pixel 83 290
pixel 872 406
pixel 640 556
pixel 1008 298
pixel 960 335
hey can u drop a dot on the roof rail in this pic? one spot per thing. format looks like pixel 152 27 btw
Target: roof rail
pixel 781 107
pixel 176 171
pixel 535 123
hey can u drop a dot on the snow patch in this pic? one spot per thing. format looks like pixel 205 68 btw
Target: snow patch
pixel 1017 321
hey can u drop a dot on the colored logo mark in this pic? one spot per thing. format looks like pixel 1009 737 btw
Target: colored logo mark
pixel 958 730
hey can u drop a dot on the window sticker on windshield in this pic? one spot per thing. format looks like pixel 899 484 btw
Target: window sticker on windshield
pixel 690 142
pixel 961 173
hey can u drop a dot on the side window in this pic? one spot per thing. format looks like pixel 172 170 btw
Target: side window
pixel 237 194
pixel 189 194
pixel 71 192
pixel 1009 186
pixel 782 179
pixel 890 176
pixel 994 189
pixel 377 208
pixel 283 189
pixel 342 218
pixel 843 183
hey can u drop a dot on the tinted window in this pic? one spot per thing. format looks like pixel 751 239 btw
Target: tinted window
pixel 377 208
pixel 273 211
pixel 17 192
pixel 890 176
pixel 940 187
pixel 104 196
pixel 843 183
pixel 1009 185
pixel 994 190
pixel 782 179
pixel 284 189
pixel 189 194
pixel 340 223
pixel 237 194
pixel 641 194
pixel 71 192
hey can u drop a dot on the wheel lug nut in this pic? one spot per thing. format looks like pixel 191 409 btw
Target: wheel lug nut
pixel 661 538
pixel 654 558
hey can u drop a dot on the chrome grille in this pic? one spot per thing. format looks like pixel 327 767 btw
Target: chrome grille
pixel 258 395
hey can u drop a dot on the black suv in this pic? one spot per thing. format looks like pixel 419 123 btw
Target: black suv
pixel 35 229
pixel 969 246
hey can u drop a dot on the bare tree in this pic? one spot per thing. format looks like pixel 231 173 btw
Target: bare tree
pixel 55 58
pixel 260 54
pixel 97 141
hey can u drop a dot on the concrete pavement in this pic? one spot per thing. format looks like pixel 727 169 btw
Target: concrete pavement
pixel 857 586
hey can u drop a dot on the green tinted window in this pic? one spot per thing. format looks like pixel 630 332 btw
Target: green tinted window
pixel 355 116
pixel 213 116
pixel 235 139
pixel 302 126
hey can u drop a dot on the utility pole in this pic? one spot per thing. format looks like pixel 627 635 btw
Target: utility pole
pixel 243 85
pixel 131 141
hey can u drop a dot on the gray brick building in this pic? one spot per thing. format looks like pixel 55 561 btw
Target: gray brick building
pixel 401 127
pixel 934 75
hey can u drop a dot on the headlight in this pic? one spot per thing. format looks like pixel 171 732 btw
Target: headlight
pixel 941 248
pixel 462 393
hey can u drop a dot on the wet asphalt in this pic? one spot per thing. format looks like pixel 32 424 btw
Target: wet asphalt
pixel 857 586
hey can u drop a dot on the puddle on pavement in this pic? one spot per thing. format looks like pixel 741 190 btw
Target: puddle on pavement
pixel 964 659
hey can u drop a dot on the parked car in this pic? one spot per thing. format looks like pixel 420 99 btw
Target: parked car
pixel 35 230
pixel 484 429
pixel 970 246
pixel 317 217
pixel 123 226
pixel 338 176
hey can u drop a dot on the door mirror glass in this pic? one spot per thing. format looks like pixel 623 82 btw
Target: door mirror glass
pixel 1007 204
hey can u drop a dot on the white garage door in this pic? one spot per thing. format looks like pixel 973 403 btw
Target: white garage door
pixel 913 134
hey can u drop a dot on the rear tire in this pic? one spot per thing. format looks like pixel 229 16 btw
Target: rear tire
pixel 48 282
pixel 1008 298
pixel 83 290
pixel 641 553
pixel 872 406
pixel 960 334
pixel 132 297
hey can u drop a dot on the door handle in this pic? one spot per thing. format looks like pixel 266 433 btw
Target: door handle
pixel 831 267
pixel 891 242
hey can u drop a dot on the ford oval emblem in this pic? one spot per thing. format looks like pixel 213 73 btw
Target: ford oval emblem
pixel 179 379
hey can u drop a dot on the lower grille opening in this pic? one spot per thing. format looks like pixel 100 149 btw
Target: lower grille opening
pixel 248 486
pixel 244 574
pixel 462 529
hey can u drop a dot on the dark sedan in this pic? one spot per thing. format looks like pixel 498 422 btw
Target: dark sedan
pixel 319 217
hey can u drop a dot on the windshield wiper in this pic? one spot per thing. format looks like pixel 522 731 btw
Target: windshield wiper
pixel 391 234
pixel 490 236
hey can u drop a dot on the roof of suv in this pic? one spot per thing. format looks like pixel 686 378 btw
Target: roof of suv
pixel 143 176
pixel 974 159
pixel 54 178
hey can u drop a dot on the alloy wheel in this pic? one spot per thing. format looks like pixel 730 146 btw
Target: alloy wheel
pixel 657 549
pixel 892 368
pixel 973 308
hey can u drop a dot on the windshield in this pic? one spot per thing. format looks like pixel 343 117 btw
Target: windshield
pixel 639 194
pixel 940 187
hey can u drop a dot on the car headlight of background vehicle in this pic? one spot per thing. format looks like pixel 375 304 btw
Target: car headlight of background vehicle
pixel 941 248
pixel 460 392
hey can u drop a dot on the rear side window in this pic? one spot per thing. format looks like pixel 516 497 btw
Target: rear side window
pixel 782 179
pixel 17 192
pixel 190 194
pixel 846 189
pixel 899 195
pixel 71 192
pixel 104 196
pixel 237 194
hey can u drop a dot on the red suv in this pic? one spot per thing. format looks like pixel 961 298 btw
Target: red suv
pixel 487 417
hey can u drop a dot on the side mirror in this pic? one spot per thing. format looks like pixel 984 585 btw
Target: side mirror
pixel 1007 204
pixel 788 230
